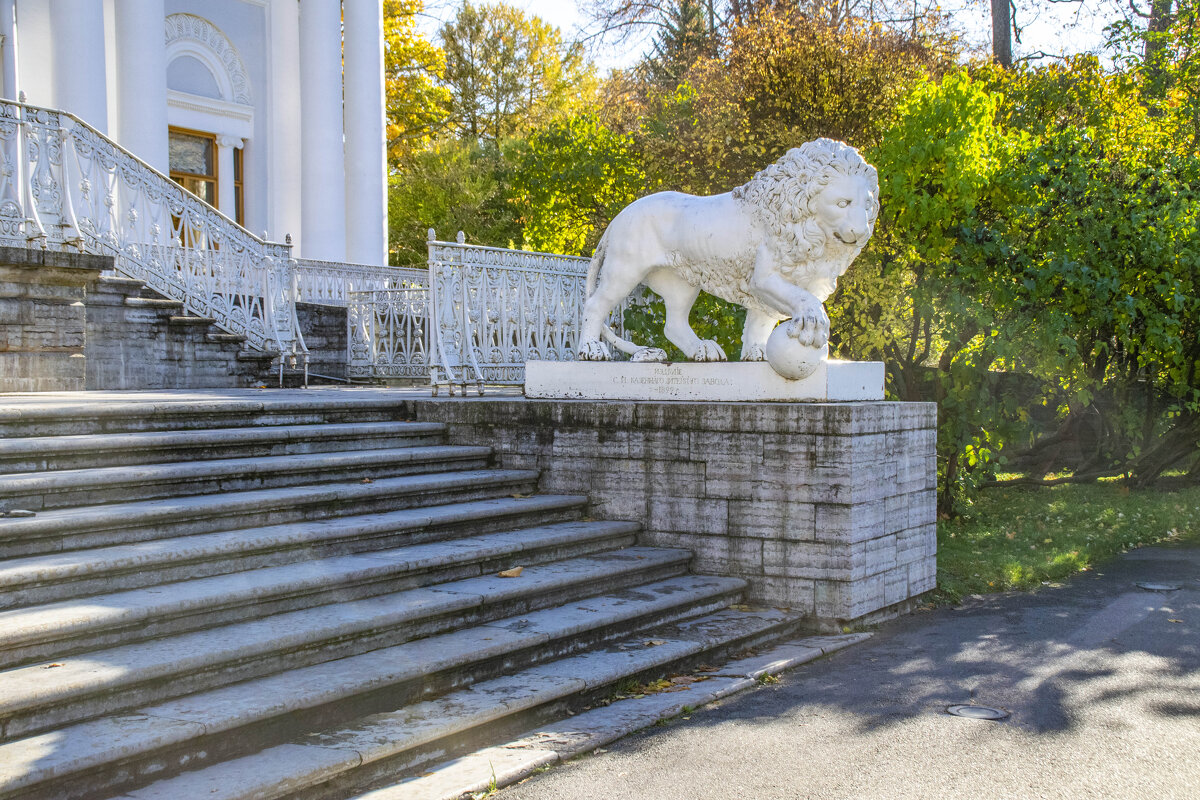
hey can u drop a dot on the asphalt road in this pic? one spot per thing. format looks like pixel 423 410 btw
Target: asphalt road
pixel 1102 680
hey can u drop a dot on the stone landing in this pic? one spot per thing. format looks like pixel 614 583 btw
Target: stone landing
pixel 829 508
pixel 745 381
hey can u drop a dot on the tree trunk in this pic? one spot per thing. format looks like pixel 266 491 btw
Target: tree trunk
pixel 1160 21
pixel 1002 32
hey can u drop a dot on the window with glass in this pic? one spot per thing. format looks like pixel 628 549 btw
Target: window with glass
pixel 193 160
pixel 238 203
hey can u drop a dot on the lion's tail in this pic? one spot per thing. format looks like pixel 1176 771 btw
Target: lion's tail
pixel 625 346
pixel 594 268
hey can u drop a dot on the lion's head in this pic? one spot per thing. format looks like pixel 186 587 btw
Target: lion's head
pixel 819 202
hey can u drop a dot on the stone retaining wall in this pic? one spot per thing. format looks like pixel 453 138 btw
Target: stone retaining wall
pixel 324 329
pixel 140 340
pixel 42 318
pixel 826 507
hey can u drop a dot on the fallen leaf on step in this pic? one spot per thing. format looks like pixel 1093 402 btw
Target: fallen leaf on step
pixel 655 642
pixel 1174 620
pixel 686 679
pixel 706 668
pixel 740 607
pixel 52 666
pixel 515 572
pixel 520 496
pixel 366 480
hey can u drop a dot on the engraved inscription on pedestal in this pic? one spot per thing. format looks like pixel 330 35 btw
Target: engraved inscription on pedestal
pixel 721 382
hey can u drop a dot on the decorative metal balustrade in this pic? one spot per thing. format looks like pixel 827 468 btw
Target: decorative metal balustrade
pixel 65 186
pixel 486 312
pixel 386 334
pixel 331 282
pixel 492 310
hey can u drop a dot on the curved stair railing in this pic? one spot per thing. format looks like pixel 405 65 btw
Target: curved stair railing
pixel 66 186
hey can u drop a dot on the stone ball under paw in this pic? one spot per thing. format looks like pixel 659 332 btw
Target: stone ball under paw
pixel 790 358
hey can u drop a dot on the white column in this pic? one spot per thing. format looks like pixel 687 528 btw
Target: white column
pixel 80 84
pixel 322 168
pixel 226 198
pixel 366 137
pixel 142 80
pixel 283 119
pixel 8 30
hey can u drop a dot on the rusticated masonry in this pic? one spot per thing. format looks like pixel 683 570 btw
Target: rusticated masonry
pixel 825 507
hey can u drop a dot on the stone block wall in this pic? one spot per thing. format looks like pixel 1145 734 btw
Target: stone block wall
pixel 826 507
pixel 43 327
pixel 140 340
pixel 324 330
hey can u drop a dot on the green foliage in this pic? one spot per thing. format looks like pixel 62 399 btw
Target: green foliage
pixel 451 186
pixel 1042 265
pixel 1166 60
pixel 507 73
pixel 412 66
pixel 684 38
pixel 568 180
pixel 711 318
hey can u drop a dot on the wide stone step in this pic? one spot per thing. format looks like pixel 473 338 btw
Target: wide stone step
pixel 380 747
pixel 103 756
pixel 78 573
pixel 39 453
pixel 56 630
pixel 34 698
pixel 118 523
pixel 166 410
pixel 73 487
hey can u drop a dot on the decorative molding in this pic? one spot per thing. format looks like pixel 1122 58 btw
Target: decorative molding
pixel 187 34
pixel 206 114
pixel 236 142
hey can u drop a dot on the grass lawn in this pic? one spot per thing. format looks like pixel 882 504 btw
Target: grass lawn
pixel 1018 538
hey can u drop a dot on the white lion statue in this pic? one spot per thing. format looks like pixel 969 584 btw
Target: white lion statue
pixel 776 245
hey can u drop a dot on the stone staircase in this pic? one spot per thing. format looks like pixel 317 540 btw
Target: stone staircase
pixel 139 339
pixel 248 598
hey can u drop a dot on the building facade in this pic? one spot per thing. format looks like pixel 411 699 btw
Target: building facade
pixel 271 110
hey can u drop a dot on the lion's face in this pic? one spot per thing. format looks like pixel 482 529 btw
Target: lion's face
pixel 845 208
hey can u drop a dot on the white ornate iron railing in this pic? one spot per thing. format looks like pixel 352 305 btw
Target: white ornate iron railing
pixel 492 310
pixel 64 185
pixel 330 282
pixel 386 334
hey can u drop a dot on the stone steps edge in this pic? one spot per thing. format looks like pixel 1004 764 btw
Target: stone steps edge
pixel 158 735
pixel 217 664
pixel 82 636
pixel 542 693
pixel 138 516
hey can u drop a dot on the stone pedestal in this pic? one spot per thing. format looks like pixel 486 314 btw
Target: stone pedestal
pixel 744 381
pixel 42 318
pixel 825 507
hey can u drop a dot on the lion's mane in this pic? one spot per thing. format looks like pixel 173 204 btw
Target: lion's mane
pixel 779 197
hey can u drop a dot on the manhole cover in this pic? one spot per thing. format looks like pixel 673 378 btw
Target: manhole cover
pixel 977 712
pixel 1154 586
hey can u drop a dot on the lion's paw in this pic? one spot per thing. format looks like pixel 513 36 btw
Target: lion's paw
pixel 754 352
pixel 709 351
pixel 811 330
pixel 649 355
pixel 593 350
